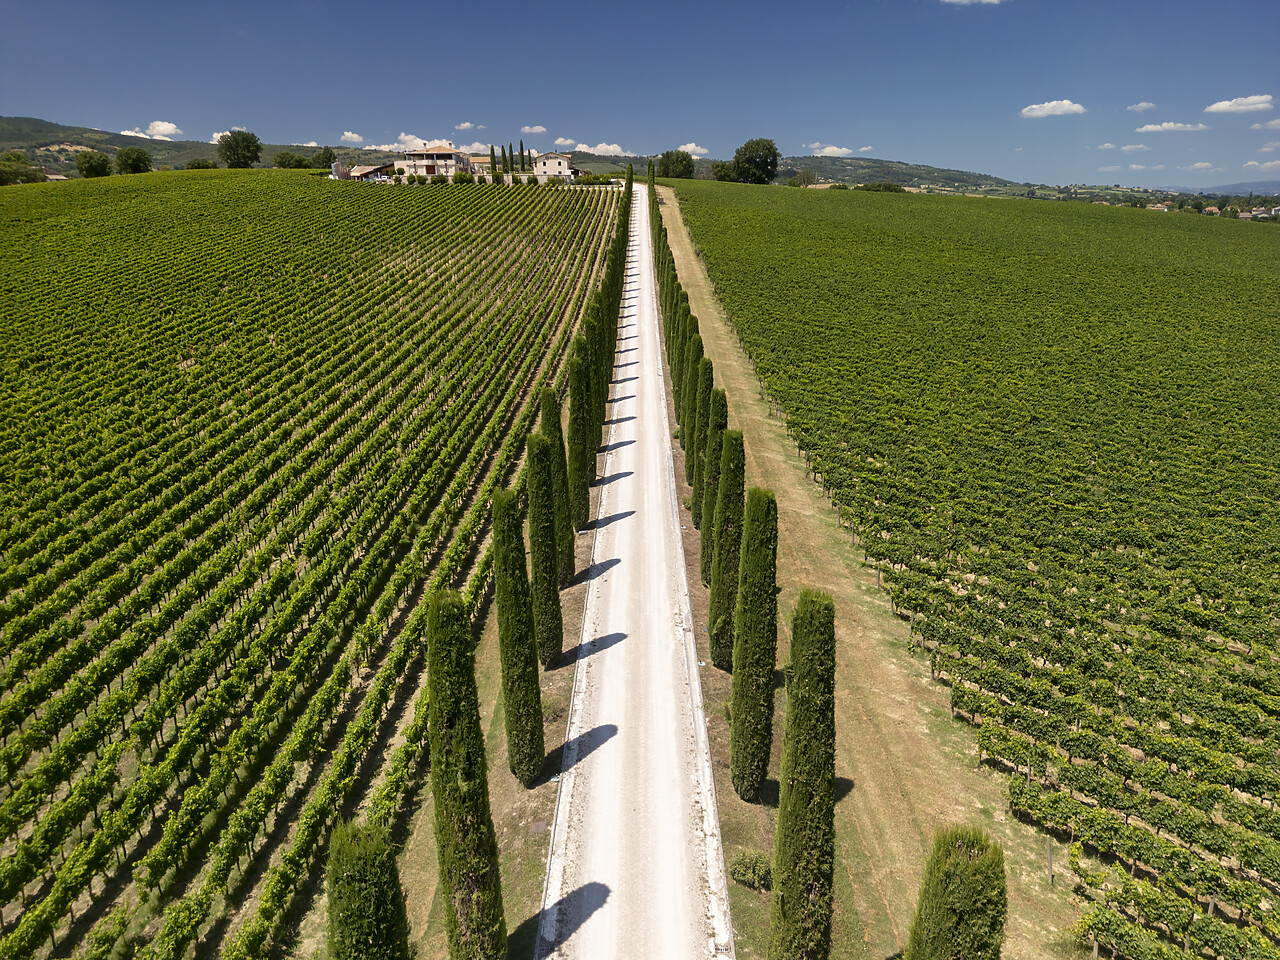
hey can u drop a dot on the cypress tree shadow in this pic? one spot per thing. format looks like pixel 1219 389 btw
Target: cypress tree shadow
pixel 580 747
pixel 843 787
pixel 614 383
pixel 625 350
pixel 594 645
pixel 629 363
pixel 572 909
pixel 630 396
pixel 618 420
pixel 611 478
pixel 593 571
pixel 599 522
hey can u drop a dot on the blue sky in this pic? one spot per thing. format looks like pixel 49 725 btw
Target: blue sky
pixel 939 82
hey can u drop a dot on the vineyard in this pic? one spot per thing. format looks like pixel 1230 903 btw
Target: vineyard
pixel 252 419
pixel 1053 429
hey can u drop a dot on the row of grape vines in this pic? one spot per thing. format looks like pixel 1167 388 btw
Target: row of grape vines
pixel 1064 465
pixel 255 417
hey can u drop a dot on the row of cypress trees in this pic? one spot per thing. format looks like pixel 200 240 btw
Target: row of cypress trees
pixel 738 552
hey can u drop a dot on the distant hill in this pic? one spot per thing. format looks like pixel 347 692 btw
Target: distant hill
pixel 55 145
pixel 1265 188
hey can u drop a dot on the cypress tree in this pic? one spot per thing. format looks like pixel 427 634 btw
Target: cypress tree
pixel 550 426
pixel 804 846
pixel 493 160
pixel 506 167
pixel 699 403
pixel 963 899
pixel 581 455
pixel 522 155
pixel 511 156
pixel 724 567
pixel 547 621
pixel 366 914
pixel 692 362
pixel 517 644
pixel 465 842
pixel 717 423
pixel 755 638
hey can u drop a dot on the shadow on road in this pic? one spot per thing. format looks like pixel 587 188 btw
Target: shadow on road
pixel 593 571
pixel 623 380
pixel 599 522
pixel 594 645
pixel 629 396
pixel 630 363
pixel 572 909
pixel 580 747
pixel 611 478
pixel 618 420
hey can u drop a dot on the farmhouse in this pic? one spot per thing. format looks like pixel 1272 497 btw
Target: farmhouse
pixel 548 165
pixel 445 160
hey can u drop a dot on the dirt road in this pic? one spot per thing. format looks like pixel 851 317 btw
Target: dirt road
pixel 636 868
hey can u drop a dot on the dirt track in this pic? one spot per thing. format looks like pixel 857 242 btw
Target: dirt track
pixel 636 867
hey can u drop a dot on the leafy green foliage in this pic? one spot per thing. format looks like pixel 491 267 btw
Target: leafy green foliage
pixel 466 845
pixel 133 160
pixel 1021 396
pixel 94 163
pixel 547 620
pixel 239 149
pixel 676 163
pixel 756 161
pixel 581 456
pixel 202 163
pixel 728 544
pixel 755 637
pixel 963 899
pixel 366 910
pixel 695 462
pixel 517 641
pixel 804 845
pixel 751 869
pixel 287 160
pixel 689 391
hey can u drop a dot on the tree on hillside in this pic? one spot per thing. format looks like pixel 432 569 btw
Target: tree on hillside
pixel 366 911
pixel 517 643
pixel 93 163
pixel 756 161
pixel 724 170
pixel 466 846
pixel 287 160
pixel 804 845
pixel 202 163
pixel 132 160
pixel 239 149
pixel 676 164
pixel 963 899
pixel 324 158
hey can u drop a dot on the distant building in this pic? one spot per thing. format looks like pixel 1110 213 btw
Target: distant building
pixel 443 160
pixel 480 166
pixel 548 165
pixel 51 175
pixel 381 171
pixel 1212 211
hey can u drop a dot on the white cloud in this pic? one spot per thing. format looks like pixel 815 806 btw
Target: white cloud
pixel 1134 147
pixel 156 130
pixel 1053 108
pixel 309 143
pixel 407 141
pixel 1111 169
pixel 163 129
pixel 1106 146
pixel 869 149
pixel 565 142
pixel 604 150
pixel 694 149
pixel 1018 149
pixel 476 147
pixel 1139 166
pixel 1269 125
pixel 222 133
pixel 966 3
pixel 1268 165
pixel 468 125
pixel 1168 127
pixel 349 137
pixel 1139 107
pixel 1270 147
pixel 1260 101
pixel 827 150
pixel 1195 167
pixel 536 128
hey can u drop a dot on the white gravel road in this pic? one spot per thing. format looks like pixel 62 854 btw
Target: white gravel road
pixel 636 868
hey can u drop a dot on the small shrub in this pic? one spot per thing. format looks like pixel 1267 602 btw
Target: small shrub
pixel 439 178
pixel 461 176
pixel 751 869
pixel 531 180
